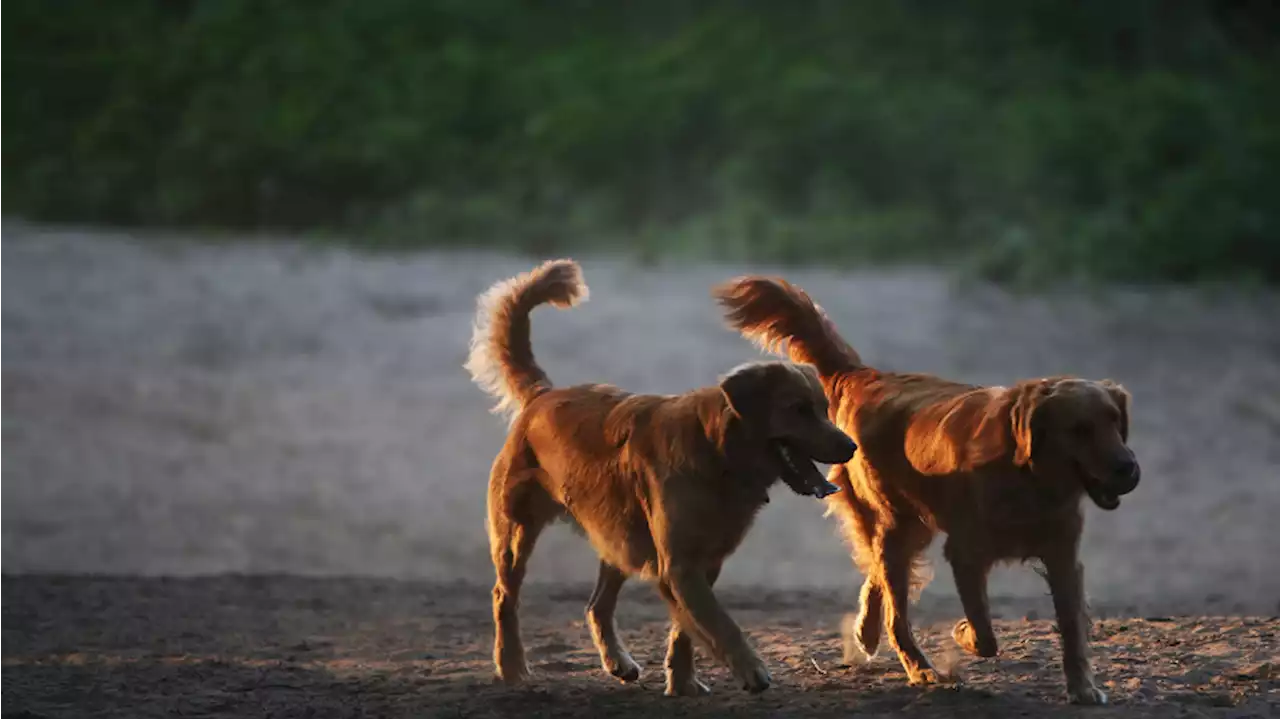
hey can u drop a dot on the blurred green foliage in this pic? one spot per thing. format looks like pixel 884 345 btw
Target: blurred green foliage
pixel 1117 140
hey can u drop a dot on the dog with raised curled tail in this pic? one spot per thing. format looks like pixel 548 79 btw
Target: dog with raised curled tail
pixel 664 487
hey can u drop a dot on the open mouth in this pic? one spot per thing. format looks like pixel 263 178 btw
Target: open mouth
pixel 799 472
pixel 1097 490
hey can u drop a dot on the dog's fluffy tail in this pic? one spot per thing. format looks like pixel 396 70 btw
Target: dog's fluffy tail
pixel 781 317
pixel 501 359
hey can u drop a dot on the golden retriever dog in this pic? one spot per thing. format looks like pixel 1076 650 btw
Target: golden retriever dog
pixel 664 487
pixel 1000 470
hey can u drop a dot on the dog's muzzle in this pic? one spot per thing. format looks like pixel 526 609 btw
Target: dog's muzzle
pixel 799 472
pixel 1123 480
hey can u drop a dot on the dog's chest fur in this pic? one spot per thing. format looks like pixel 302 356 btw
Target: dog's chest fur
pixel 736 502
pixel 1019 516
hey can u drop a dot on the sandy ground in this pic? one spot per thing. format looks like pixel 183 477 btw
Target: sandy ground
pixel 181 409
pixel 287 647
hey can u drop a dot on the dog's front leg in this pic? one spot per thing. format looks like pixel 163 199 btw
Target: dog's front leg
pixel 1066 582
pixel 695 609
pixel 682 678
pixel 974 633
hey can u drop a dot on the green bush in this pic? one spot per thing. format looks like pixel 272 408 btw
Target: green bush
pixel 1128 141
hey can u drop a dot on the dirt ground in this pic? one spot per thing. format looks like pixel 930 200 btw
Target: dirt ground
pixel 289 647
pixel 183 409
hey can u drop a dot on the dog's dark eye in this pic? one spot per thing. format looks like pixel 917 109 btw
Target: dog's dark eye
pixel 1082 429
pixel 801 407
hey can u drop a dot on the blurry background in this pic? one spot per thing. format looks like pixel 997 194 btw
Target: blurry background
pixel 287 401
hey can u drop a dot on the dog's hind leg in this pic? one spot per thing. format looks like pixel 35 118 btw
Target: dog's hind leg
pixel 682 679
pixel 898 550
pixel 518 511
pixel 604 631
pixel 868 625
pixel 858 522
pixel 974 633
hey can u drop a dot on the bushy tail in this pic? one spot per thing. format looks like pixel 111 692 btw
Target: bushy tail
pixel 501 359
pixel 781 317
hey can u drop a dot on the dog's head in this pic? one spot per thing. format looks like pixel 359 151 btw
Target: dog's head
pixel 1076 430
pixel 783 406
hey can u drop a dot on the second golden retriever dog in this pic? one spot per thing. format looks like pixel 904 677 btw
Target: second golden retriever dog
pixel 664 487
pixel 1001 470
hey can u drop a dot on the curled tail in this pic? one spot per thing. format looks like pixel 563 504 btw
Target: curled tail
pixel 780 316
pixel 501 359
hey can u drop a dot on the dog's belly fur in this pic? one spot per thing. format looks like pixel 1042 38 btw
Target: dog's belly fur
pixel 994 518
pixel 622 532
pixel 624 540
pixel 1005 537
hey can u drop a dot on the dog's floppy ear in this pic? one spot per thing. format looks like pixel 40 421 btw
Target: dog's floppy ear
pixel 747 390
pixel 810 377
pixel 1121 397
pixel 1027 400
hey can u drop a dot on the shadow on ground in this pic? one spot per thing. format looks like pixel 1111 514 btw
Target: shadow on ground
pixel 237 646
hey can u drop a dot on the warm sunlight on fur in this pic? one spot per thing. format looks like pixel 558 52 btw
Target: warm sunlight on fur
pixel 1001 471
pixel 664 487
pixel 502 328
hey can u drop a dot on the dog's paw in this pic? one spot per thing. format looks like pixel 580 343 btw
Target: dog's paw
pixel 509 662
pixel 623 667
pixel 968 640
pixel 689 687
pixel 860 640
pixel 512 673
pixel 1087 694
pixel 754 677
pixel 855 656
pixel 923 677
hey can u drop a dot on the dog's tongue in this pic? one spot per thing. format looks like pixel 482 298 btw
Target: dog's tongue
pixel 821 487
pixel 811 482
pixel 817 479
pixel 826 489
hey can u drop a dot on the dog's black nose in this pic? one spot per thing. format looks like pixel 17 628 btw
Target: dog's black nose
pixel 1126 476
